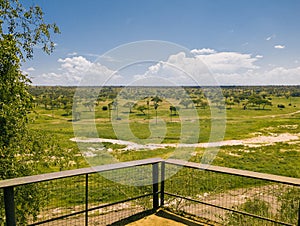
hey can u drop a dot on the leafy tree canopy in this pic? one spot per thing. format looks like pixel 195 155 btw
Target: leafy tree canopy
pixel 27 27
pixel 22 151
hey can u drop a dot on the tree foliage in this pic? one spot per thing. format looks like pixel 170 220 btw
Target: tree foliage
pixel 130 105
pixel 14 96
pixel 142 109
pixel 173 109
pixel 256 100
pixel 27 27
pixel 22 151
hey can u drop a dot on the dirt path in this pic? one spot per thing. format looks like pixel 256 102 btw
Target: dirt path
pixel 279 115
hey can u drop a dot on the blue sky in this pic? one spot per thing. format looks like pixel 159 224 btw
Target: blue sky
pixel 241 42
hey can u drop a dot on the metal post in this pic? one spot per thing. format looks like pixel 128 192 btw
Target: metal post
pixel 162 184
pixel 86 200
pixel 9 203
pixel 155 185
pixel 299 215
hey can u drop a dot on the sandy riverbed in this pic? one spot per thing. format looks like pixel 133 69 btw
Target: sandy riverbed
pixel 250 142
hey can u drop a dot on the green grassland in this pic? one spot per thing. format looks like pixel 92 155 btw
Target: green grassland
pixel 52 115
pixel 279 158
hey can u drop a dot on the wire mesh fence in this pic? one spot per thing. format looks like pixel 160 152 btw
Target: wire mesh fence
pixel 230 199
pixel 108 190
pixel 91 196
pixel 61 198
pixel 108 194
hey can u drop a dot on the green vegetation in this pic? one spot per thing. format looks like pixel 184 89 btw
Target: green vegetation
pixel 288 211
pixel 246 117
pixel 254 206
pixel 37 125
pixel 22 151
pixel 54 114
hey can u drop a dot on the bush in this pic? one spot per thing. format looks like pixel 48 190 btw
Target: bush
pixel 287 211
pixel 253 206
pixel 290 200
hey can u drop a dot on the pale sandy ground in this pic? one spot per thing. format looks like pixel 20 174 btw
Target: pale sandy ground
pixel 154 220
pixel 250 142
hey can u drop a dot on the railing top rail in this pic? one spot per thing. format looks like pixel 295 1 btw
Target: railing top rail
pixel 77 172
pixel 237 172
pixel 121 165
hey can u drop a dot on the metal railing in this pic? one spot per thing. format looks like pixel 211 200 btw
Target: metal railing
pixel 231 196
pixel 107 194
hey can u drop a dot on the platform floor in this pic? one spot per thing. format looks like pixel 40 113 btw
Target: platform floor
pixel 166 218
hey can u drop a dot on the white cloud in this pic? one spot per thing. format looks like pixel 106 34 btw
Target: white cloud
pixel 30 69
pixel 92 55
pixel 283 76
pixel 72 54
pixel 207 67
pixel 75 64
pixel 180 67
pixel 183 69
pixel 107 59
pixel 276 76
pixel 76 71
pixel 203 51
pixel 279 46
pixel 270 37
pixel 227 68
pixel 228 61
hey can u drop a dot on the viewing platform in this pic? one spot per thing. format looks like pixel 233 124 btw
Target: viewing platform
pixel 140 192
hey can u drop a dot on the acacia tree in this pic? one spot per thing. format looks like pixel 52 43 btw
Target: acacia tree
pixel 173 109
pixel 142 109
pixel 156 100
pixel 130 105
pixel 21 149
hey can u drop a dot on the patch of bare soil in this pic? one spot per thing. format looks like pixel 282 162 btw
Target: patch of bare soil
pixel 103 216
pixel 165 217
pixel 230 199
pixel 153 220
pixel 250 142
